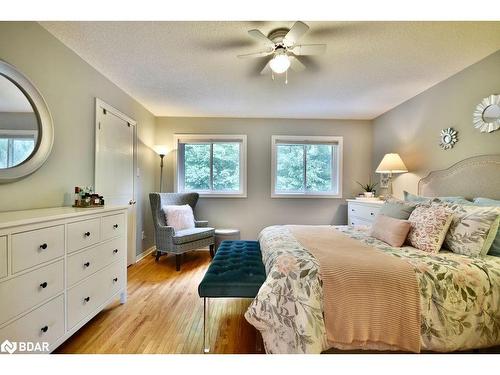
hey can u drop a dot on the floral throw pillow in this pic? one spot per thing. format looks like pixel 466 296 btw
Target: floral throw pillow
pixel 472 229
pixel 429 224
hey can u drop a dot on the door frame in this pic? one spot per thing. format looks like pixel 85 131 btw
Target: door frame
pixel 99 103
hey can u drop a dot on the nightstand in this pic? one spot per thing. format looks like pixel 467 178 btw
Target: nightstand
pixel 362 212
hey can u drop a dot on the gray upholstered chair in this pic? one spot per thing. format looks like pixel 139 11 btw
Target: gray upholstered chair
pixel 177 242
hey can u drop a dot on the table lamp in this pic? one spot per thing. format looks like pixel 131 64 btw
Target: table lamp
pixel 391 163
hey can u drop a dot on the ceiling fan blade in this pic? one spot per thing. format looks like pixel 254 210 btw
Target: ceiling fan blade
pixel 296 65
pixel 266 70
pixel 298 29
pixel 256 54
pixel 259 35
pixel 308 49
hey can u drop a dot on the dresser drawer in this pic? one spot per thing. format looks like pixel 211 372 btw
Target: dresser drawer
pixel 35 247
pixel 363 211
pixel 354 221
pixel 83 233
pixel 112 226
pixel 3 257
pixel 86 297
pixel 85 263
pixel 23 292
pixel 45 324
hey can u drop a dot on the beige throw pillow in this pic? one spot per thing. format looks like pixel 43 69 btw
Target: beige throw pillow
pixel 390 230
pixel 429 224
pixel 179 217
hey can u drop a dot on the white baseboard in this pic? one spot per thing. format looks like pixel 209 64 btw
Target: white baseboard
pixel 144 254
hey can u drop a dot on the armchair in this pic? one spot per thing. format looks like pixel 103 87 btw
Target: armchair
pixel 178 242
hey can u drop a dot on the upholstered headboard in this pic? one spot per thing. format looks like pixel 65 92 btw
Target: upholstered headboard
pixel 478 176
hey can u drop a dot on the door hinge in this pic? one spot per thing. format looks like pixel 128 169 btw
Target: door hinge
pixel 99 125
pixel 128 124
pixel 104 111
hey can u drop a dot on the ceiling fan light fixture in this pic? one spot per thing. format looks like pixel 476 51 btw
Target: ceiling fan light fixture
pixel 280 63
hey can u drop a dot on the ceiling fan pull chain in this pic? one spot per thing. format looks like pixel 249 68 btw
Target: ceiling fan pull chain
pixel 272 75
pixel 286 77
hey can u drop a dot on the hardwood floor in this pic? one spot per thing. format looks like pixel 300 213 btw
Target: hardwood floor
pixel 164 314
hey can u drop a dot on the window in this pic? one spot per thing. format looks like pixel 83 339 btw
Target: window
pixel 306 166
pixel 212 165
pixel 16 147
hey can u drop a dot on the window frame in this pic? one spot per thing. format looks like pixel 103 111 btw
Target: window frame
pixel 338 140
pixel 210 139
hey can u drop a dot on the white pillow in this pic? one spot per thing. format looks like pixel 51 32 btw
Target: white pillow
pixel 179 217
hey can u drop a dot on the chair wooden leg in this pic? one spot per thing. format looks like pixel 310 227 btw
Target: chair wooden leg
pixel 212 253
pixel 177 262
pixel 157 255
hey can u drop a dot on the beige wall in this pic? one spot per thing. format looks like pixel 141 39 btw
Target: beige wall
pixel 259 209
pixel 412 129
pixel 70 85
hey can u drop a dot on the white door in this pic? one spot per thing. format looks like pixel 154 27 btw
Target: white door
pixel 115 164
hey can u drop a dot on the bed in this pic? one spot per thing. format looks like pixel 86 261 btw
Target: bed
pixel 361 297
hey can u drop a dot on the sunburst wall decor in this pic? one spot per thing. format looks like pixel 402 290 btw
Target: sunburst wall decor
pixel 448 138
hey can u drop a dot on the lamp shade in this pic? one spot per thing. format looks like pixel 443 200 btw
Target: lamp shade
pixel 160 149
pixel 391 163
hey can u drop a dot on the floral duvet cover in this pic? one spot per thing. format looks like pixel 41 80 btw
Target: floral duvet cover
pixel 459 296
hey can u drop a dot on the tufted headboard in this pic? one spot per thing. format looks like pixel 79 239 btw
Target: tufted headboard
pixel 478 176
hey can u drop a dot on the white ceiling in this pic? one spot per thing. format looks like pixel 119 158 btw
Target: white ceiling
pixel 11 98
pixel 191 69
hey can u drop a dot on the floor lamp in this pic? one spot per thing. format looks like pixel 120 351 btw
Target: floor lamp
pixel 161 150
pixel 391 163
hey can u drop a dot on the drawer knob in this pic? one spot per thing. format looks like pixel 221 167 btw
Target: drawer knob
pixel 115 226
pixel 87 234
pixel 86 264
pixel 43 285
pixel 43 246
pixel 115 279
pixel 115 251
pixel 86 299
pixel 44 329
pixel 371 213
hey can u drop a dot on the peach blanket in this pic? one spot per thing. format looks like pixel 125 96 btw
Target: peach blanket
pixel 370 299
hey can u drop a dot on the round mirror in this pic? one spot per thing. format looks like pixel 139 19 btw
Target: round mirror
pixel 486 117
pixel 447 138
pixel 491 113
pixel 26 131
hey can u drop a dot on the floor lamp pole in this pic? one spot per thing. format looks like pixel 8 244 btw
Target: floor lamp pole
pixel 161 171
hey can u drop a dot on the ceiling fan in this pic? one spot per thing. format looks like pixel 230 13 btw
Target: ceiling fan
pixel 282 45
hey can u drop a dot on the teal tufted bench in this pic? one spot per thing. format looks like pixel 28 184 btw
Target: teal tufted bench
pixel 236 271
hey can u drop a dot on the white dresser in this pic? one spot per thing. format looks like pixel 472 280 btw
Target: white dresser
pixel 59 267
pixel 362 212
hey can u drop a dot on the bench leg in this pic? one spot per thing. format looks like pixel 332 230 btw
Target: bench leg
pixel 206 328
pixel 212 252
pixel 177 262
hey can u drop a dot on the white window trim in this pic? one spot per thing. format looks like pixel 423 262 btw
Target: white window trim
pixel 203 138
pixel 291 138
